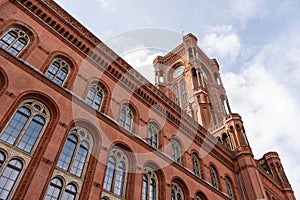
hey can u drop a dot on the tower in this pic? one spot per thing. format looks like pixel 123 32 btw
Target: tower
pixel 192 80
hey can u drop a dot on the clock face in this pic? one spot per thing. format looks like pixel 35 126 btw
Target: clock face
pixel 178 71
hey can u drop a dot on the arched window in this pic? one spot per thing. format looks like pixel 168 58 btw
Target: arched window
pixel 200 196
pixel 9 177
pixel 2 158
pixel 126 118
pixel 213 176
pixel 116 172
pixel 229 187
pixel 196 164
pixel 26 125
pixel 70 192
pixel 95 96
pixel 14 41
pixel 177 193
pixel 183 92
pixel 176 93
pixel 217 79
pixel 75 151
pixel 153 131
pixel 176 151
pixel 58 71
pixel 226 141
pixel 225 105
pixel 150 185
pixel 55 190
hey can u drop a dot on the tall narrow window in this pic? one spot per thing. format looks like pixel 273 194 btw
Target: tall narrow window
pixel 153 135
pixel 225 105
pixel 149 187
pixel 75 151
pixel 14 41
pixel 95 96
pixel 54 189
pixel 176 151
pixel 176 93
pixel 177 193
pixel 229 188
pixel 196 164
pixel 126 118
pixel 9 177
pixel 116 173
pixel 213 176
pixel 183 92
pixel 26 125
pixel 58 71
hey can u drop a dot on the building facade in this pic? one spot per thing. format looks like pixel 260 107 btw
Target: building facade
pixel 78 122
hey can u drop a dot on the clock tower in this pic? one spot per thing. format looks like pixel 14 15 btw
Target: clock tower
pixel 192 80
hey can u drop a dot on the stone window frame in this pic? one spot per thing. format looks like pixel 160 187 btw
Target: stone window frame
pixel 128 111
pixel 177 190
pixel 153 131
pixel 150 174
pixel 99 89
pixel 62 64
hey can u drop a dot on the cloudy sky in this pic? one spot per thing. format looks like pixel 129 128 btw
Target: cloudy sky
pixel 256 42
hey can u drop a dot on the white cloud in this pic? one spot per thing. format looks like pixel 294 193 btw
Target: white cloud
pixel 265 93
pixel 107 4
pixel 245 10
pixel 222 42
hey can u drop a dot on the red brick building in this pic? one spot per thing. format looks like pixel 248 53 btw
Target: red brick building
pixel 78 122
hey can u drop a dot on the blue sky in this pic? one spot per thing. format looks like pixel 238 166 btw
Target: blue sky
pixel 256 42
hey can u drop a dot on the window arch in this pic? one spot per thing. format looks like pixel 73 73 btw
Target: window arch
pixel 150 185
pixel 229 187
pixel 177 193
pixel 58 71
pixel 74 155
pixel 226 140
pixel 27 124
pixel 126 117
pixel 196 164
pixel 153 131
pixel 9 177
pixel 57 190
pixel 176 152
pixel 116 172
pixel 200 196
pixel 176 93
pixel 14 41
pixel 95 96
pixel 183 92
pixel 213 176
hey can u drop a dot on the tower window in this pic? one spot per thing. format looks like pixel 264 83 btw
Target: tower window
pixel 183 92
pixel 176 92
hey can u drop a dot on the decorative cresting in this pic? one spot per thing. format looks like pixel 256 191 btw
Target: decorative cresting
pixel 14 41
pixel 58 71
pixel 26 126
pixel 177 193
pixel 76 151
pixel 150 185
pixel 57 190
pixel 95 96
pixel 116 175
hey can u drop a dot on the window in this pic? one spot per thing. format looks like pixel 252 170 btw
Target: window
pixel 183 92
pixel 217 79
pixel 95 96
pixel 150 186
pixel 26 125
pixel 55 190
pixel 9 177
pixel 177 193
pixel 200 196
pixel 213 176
pixel 225 105
pixel 58 71
pixel 126 118
pixel 176 151
pixel 116 172
pixel 196 164
pixel 2 159
pixel 153 131
pixel 176 93
pixel 14 41
pixel 229 188
pixel 75 151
